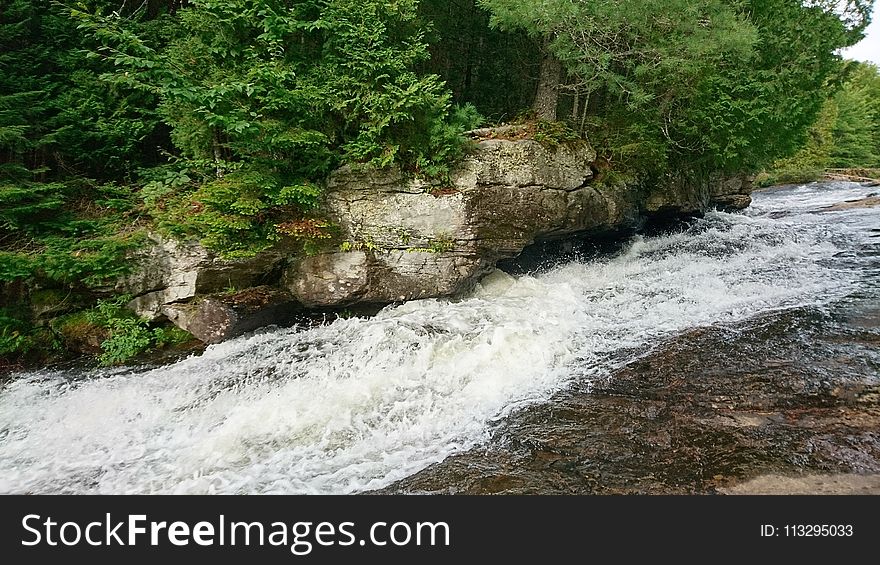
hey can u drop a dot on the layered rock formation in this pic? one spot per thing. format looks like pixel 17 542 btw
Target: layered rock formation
pixel 406 239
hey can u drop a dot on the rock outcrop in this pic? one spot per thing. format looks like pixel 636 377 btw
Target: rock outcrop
pixel 731 193
pixel 216 318
pixel 683 195
pixel 171 272
pixel 406 239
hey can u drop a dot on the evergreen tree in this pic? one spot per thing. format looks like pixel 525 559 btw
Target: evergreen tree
pixel 712 85
pixel 265 97
pixel 854 133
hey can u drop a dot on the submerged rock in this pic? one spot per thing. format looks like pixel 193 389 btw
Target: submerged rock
pixel 725 410
pixel 732 202
pixel 869 202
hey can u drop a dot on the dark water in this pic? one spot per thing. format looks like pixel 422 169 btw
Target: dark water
pixel 741 345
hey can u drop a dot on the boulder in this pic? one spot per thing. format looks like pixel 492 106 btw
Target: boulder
pixel 219 317
pixel 682 194
pixel 170 271
pixel 329 279
pixel 675 195
pixel 381 277
pixel 405 239
pixel 732 202
pixel 731 193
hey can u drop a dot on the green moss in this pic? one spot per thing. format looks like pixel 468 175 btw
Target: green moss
pixel 78 333
pixel 171 337
pixel 554 134
pixel 48 298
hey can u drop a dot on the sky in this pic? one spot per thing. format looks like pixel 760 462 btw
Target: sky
pixel 869 48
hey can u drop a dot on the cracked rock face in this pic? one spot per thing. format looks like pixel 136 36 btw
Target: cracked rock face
pixel 413 240
pixel 409 239
pixel 172 272
pixel 216 318
pixel 373 277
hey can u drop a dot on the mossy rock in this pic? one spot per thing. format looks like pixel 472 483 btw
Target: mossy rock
pixel 79 334
pixel 50 303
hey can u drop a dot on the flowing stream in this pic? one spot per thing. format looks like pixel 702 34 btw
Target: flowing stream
pixel 360 403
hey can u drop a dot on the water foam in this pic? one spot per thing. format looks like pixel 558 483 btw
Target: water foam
pixel 359 403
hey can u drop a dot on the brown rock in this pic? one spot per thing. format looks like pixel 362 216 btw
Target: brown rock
pixel 219 317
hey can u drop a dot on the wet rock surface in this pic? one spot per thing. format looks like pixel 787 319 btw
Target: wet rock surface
pixel 219 317
pixel 869 202
pixel 787 404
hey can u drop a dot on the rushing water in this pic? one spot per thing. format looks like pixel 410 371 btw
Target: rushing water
pixel 360 403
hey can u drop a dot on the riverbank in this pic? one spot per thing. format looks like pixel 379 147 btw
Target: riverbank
pixel 787 403
pixel 731 349
pixel 391 237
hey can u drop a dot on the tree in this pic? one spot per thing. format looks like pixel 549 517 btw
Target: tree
pixel 265 97
pixel 751 113
pixel 66 139
pixel 621 46
pixel 707 85
pixel 854 132
pixel 492 69
pixel 541 21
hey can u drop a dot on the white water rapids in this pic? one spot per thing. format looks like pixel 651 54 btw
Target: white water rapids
pixel 359 403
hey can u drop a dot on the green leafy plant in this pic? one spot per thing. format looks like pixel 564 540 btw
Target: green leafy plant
pixel 128 338
pixel 170 337
pixel 439 245
pixel 314 234
pixel 364 244
pixel 15 335
pixel 122 335
pixel 20 338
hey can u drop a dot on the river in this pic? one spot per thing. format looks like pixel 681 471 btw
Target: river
pixel 551 381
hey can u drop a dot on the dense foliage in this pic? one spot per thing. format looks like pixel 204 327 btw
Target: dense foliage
pixel 845 136
pixel 264 97
pixel 855 132
pixel 67 141
pixel 220 119
pixel 685 85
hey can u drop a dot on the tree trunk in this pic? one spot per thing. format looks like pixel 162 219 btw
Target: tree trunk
pixel 547 97
pixel 218 153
